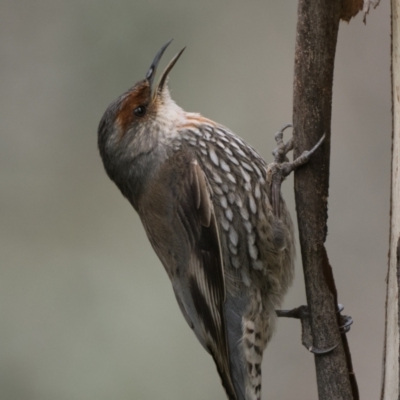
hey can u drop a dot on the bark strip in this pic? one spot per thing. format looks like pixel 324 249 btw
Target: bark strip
pixel 391 351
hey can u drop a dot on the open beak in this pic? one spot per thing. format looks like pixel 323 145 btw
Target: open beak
pixel 153 68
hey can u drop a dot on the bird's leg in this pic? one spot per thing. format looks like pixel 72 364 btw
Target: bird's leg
pixel 303 314
pixel 282 167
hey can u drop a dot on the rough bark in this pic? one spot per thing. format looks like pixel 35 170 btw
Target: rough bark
pixel 317 29
pixel 391 352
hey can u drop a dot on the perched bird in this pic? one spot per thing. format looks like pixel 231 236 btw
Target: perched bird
pixel 213 215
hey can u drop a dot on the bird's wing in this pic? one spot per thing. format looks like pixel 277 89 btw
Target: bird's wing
pixel 178 215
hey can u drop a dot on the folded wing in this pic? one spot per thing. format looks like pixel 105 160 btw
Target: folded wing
pixel 180 222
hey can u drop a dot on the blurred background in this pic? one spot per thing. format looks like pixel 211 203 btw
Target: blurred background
pixel 86 309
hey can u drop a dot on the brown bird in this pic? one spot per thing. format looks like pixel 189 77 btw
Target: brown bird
pixel 212 210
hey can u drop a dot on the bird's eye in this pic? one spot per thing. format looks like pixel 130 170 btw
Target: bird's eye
pixel 140 111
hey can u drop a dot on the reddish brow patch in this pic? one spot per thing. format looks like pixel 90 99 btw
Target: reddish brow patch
pixel 138 96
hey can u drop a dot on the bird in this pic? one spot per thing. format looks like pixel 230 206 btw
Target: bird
pixel 214 215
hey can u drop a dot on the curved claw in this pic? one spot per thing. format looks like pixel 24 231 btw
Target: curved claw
pixel 318 144
pixel 282 149
pixel 347 321
pixel 317 351
pixel 279 134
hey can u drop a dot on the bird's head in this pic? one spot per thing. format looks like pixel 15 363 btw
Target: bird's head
pixel 133 123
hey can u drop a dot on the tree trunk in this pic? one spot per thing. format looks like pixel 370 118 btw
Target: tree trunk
pixel 317 29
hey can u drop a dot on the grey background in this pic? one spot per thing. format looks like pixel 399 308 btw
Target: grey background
pixel 86 310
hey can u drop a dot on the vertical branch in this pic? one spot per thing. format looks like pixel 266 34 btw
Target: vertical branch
pixel 391 356
pixel 317 29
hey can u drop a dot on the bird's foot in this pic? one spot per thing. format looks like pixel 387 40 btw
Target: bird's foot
pixel 282 167
pixel 303 314
pixel 280 152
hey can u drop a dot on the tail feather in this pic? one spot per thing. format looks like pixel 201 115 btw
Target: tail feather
pixel 235 308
